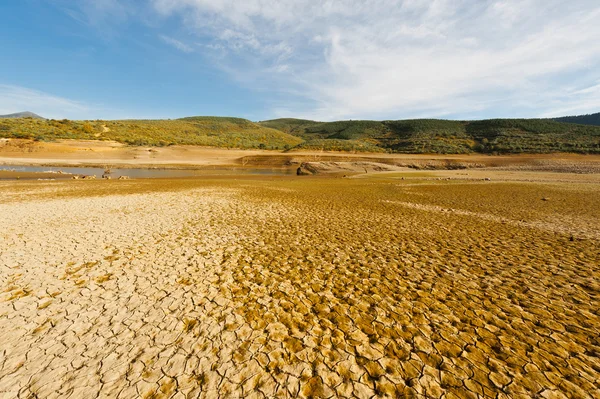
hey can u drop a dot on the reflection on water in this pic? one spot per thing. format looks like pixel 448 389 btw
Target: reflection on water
pixel 145 173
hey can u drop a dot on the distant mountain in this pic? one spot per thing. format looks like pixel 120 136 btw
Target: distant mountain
pixel 589 119
pixel 25 114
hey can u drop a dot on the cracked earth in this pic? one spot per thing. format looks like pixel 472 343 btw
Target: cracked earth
pixel 299 288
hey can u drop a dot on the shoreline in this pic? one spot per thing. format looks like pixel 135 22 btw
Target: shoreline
pixel 92 153
pixel 75 154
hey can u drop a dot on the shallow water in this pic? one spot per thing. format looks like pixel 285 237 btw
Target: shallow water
pixel 143 173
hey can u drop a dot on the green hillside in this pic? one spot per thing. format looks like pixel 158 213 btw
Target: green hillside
pixel 288 125
pixel 203 131
pixel 501 136
pixel 589 119
pixel 444 136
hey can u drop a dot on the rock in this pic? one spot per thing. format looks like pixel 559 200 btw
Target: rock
pixel 302 171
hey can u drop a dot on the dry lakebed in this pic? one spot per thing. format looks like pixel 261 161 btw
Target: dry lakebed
pixel 403 284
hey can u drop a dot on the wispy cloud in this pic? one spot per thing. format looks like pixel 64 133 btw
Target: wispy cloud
pixel 177 44
pixel 101 14
pixel 575 101
pixel 388 58
pixel 16 99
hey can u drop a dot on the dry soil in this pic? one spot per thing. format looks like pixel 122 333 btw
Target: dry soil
pixel 395 286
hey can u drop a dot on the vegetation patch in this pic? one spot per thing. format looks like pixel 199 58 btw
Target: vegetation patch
pixel 201 131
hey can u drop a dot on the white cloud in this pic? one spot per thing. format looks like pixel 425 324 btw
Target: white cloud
pixel 177 44
pixel 386 58
pixel 17 99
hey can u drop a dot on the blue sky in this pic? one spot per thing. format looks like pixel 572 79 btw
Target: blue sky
pixel 324 60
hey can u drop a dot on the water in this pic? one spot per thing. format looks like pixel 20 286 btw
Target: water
pixel 145 173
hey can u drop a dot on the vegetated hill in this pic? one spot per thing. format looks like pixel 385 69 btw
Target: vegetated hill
pixel 589 119
pixel 204 131
pixel 444 136
pixel 288 125
pixel 25 114
pixel 403 136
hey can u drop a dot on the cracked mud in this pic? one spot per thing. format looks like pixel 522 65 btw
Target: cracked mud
pixel 299 288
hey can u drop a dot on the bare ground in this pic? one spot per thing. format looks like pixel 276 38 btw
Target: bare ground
pixel 102 153
pixel 301 287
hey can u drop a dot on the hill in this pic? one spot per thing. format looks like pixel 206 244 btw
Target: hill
pixel 443 136
pixel 202 131
pixel 495 136
pixel 589 119
pixel 25 114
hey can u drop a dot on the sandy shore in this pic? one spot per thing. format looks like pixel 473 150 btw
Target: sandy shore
pixel 99 153
pixel 106 153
